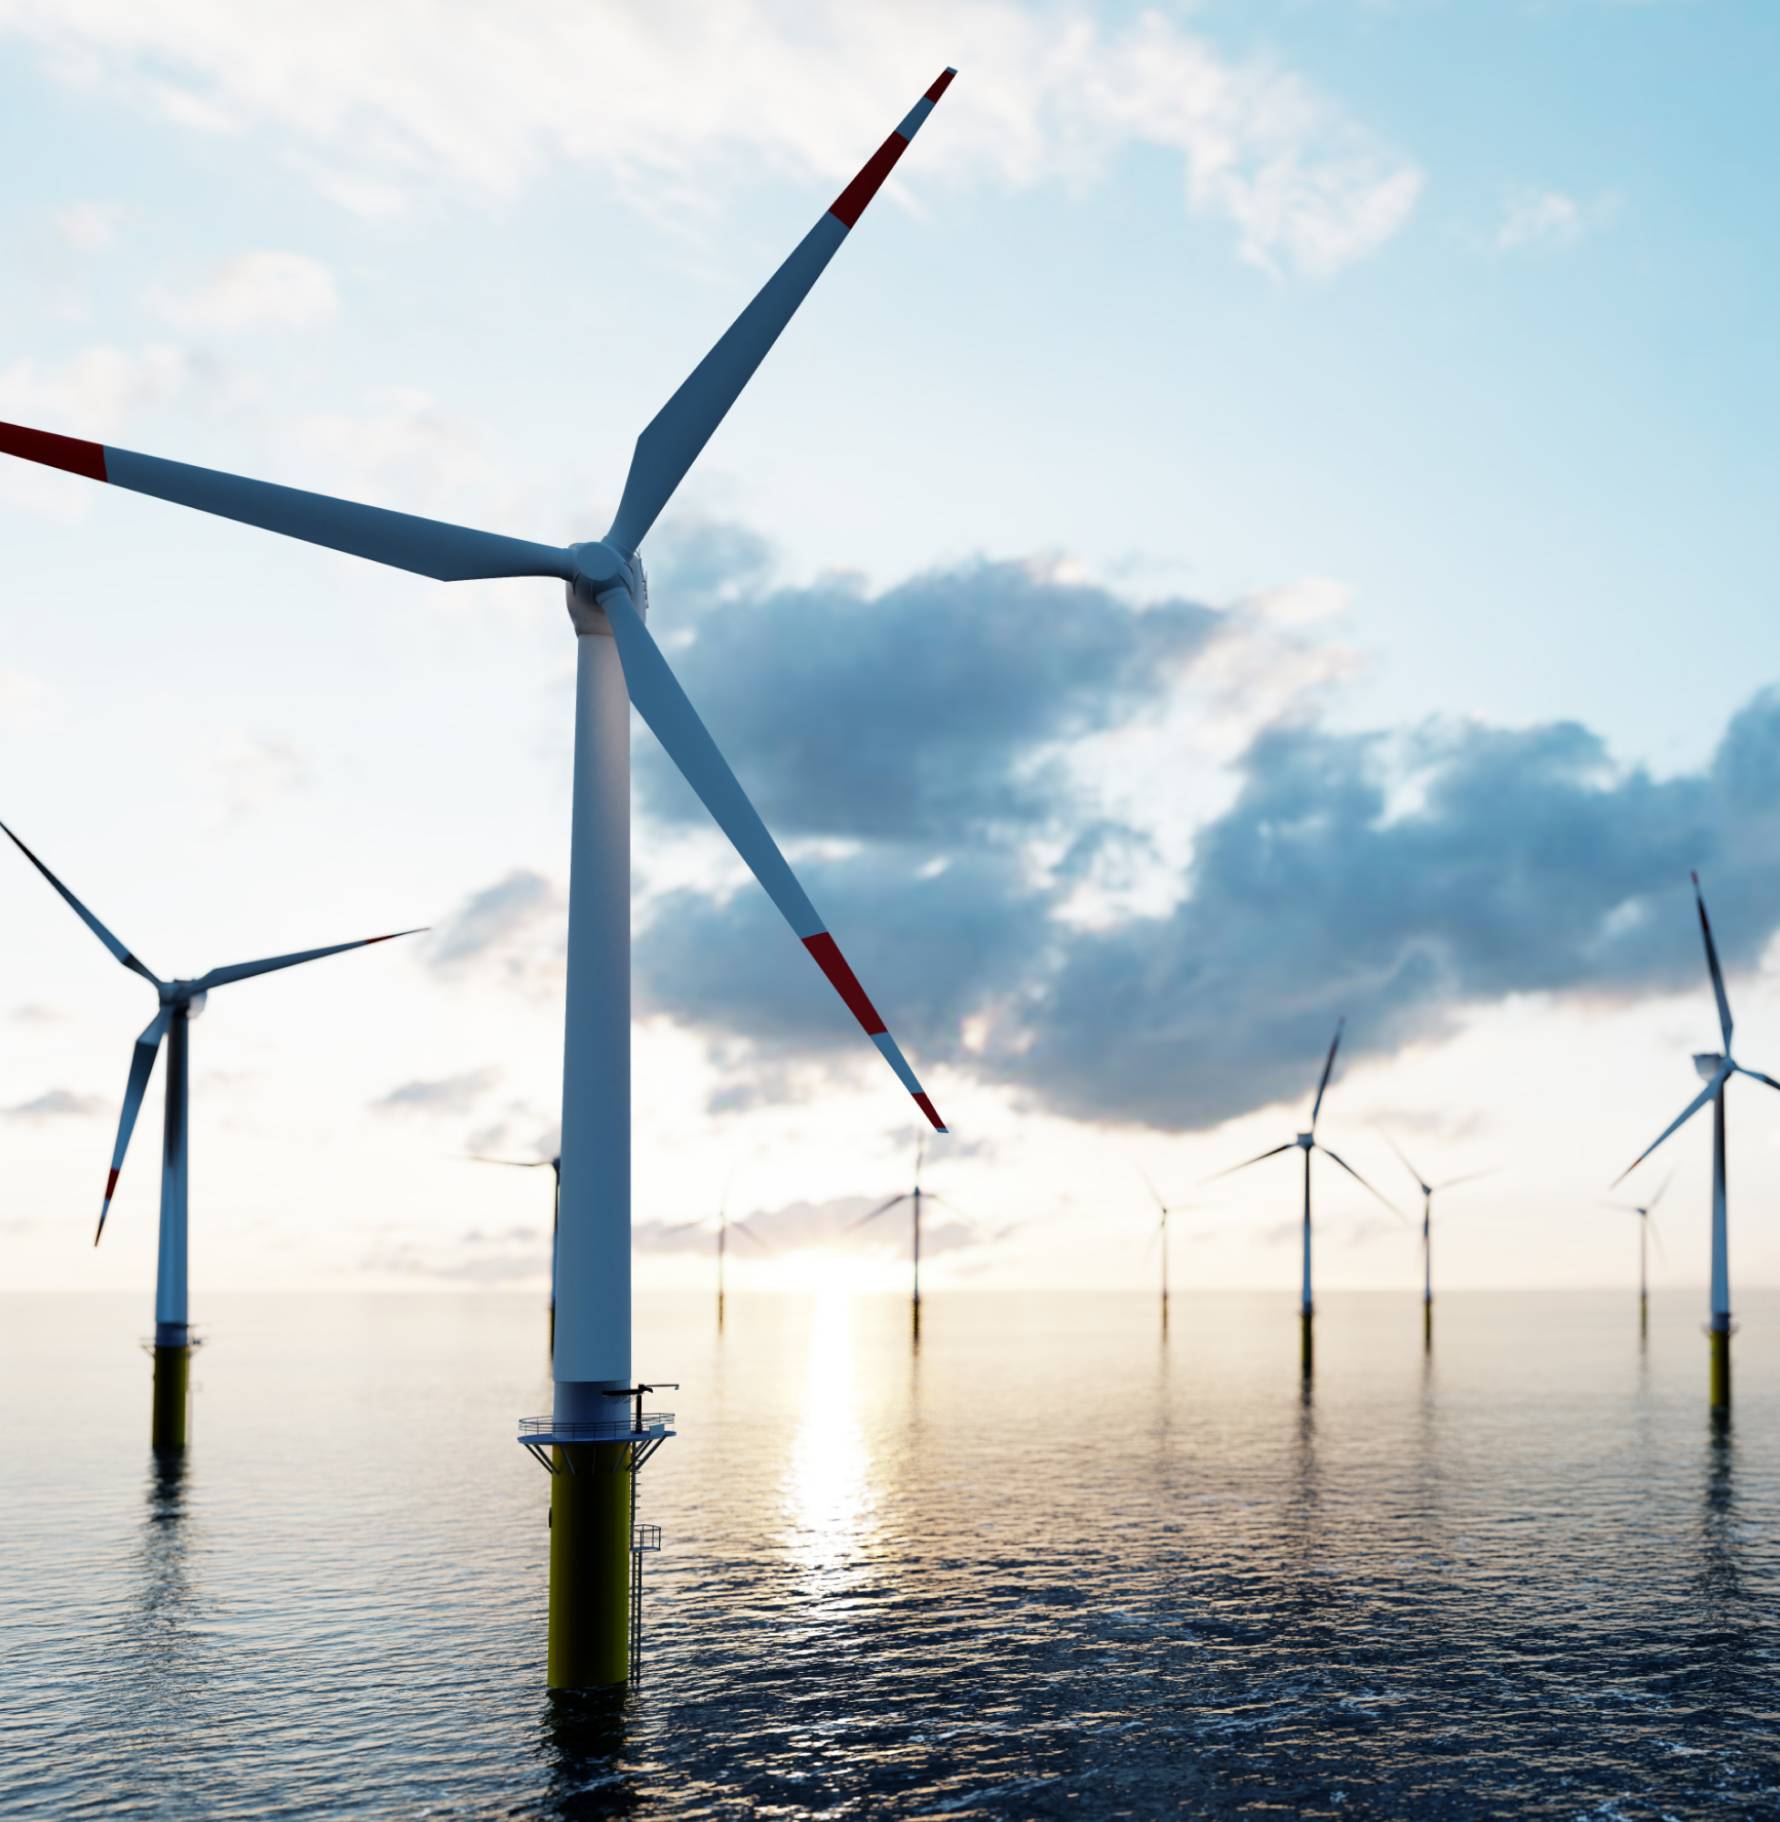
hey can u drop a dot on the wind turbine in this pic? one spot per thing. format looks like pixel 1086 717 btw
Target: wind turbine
pixel 180 1003
pixel 1163 1211
pixel 1715 1067
pixel 1645 1211
pixel 1428 1190
pixel 724 1223
pixel 596 1435
pixel 555 1213
pixel 1307 1142
pixel 914 1197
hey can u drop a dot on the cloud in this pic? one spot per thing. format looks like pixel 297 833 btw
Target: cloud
pixel 453 1094
pixel 801 1226
pixel 944 825
pixel 267 290
pixel 1548 218
pixel 89 227
pixel 928 713
pixel 488 102
pixel 514 929
pixel 56 1104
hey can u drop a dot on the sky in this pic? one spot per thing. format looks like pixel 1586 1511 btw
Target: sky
pixel 1268 519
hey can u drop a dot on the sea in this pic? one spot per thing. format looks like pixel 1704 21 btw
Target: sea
pixel 1050 1558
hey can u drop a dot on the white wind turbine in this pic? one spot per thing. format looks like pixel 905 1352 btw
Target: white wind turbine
pixel 607 597
pixel 180 1003
pixel 1160 1237
pixel 1307 1142
pixel 1715 1067
pixel 914 1198
pixel 724 1223
pixel 1428 1190
pixel 1646 1213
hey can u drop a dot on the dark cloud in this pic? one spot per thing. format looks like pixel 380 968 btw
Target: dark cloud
pixel 927 714
pixel 1397 881
pixel 56 1104
pixel 514 927
pixel 454 1094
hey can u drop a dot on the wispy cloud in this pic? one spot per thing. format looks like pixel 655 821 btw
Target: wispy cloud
pixel 265 290
pixel 488 101
pixel 55 1104
pixel 452 1094
pixel 1549 218
pixel 513 929
pixel 90 227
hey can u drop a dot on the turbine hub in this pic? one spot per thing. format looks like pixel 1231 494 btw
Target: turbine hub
pixel 1305 1140
pixel 602 569
pixel 184 996
pixel 1707 1064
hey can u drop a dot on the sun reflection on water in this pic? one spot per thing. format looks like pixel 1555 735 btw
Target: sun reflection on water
pixel 830 1500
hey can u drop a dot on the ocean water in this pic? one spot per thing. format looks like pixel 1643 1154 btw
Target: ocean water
pixel 1052 1562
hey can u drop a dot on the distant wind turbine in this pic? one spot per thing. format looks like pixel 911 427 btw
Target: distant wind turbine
pixel 725 1221
pixel 914 1197
pixel 1715 1067
pixel 1646 1212
pixel 1307 1142
pixel 1428 1190
pixel 1163 1211
pixel 180 1003
pixel 555 1213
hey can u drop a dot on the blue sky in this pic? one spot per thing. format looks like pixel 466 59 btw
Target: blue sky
pixel 1418 354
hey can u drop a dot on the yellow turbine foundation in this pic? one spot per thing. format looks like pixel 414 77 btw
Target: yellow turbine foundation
pixel 1427 1322
pixel 1721 1368
pixel 590 1564
pixel 172 1397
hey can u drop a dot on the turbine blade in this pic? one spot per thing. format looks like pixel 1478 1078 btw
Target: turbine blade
pixel 663 705
pixel 1149 1184
pixel 1663 1191
pixel 1675 1125
pixel 1755 1075
pixel 1662 1252
pixel 85 916
pixel 427 547
pixel 1421 1182
pixel 674 437
pixel 1470 1176
pixel 245 971
pixel 1322 1087
pixel 142 1063
pixel 1718 993
pixel 741 1227
pixel 476 1157
pixel 1336 1158
pixel 1290 1145
pixel 883 1208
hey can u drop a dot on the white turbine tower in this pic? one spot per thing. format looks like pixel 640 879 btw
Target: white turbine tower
pixel 595 1437
pixel 1428 1191
pixel 180 1003
pixel 1646 1213
pixel 1307 1142
pixel 1715 1067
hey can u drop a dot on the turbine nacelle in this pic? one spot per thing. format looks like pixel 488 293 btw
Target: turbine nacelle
pixel 1305 1141
pixel 1707 1064
pixel 600 569
pixel 188 996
